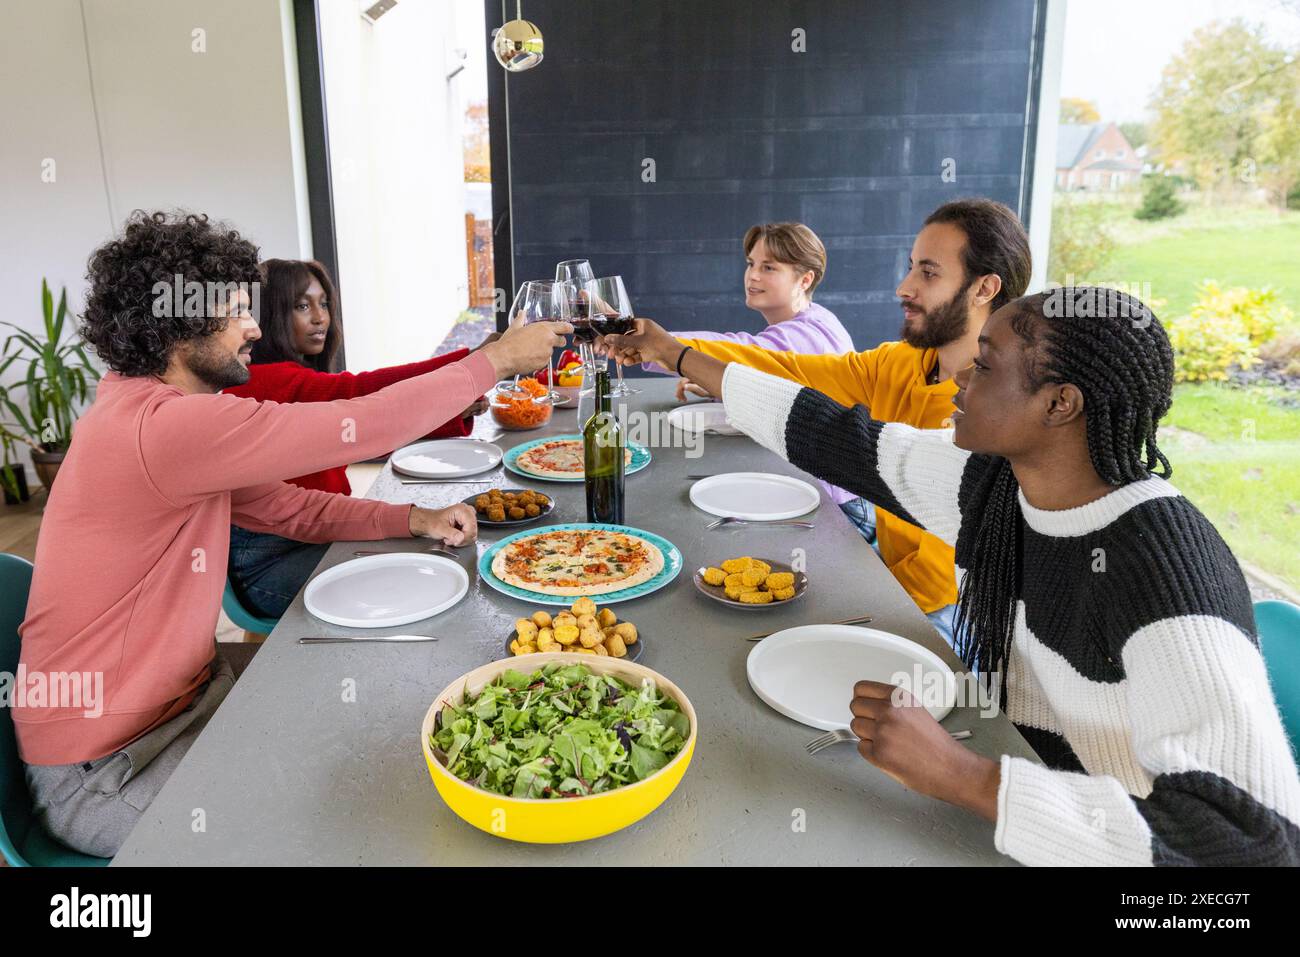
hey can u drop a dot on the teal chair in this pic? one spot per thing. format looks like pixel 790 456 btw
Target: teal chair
pixel 23 841
pixel 242 617
pixel 1278 623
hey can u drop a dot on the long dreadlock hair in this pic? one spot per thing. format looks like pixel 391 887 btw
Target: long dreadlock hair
pixel 1109 345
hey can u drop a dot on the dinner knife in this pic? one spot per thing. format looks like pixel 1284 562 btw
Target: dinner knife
pixel 446 481
pixel 350 639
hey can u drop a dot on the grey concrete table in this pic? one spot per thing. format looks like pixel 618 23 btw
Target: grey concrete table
pixel 289 772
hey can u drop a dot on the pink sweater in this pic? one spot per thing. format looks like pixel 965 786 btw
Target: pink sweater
pixel 131 560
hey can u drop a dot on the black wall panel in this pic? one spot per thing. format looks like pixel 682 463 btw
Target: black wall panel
pixel 849 137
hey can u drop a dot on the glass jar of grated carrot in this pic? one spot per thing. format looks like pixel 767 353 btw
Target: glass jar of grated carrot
pixel 521 407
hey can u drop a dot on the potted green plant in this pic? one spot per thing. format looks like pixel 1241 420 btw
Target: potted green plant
pixel 13 475
pixel 55 379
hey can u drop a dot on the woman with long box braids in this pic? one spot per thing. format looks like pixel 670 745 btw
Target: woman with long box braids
pixel 1102 606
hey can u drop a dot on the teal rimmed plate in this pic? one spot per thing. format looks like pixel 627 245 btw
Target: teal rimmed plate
pixel 672 567
pixel 640 458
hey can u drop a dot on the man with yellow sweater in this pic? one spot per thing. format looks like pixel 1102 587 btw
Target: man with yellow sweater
pixel 971 257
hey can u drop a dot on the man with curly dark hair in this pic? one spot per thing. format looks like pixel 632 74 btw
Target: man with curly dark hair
pixel 137 276
pixel 131 561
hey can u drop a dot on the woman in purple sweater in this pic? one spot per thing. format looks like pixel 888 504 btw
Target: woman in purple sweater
pixel 784 262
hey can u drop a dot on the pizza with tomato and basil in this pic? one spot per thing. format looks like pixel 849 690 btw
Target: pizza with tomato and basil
pixel 559 458
pixel 577 562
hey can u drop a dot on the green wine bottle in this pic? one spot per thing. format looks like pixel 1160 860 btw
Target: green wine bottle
pixel 602 459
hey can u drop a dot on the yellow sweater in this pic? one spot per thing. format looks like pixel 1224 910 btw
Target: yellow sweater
pixel 890 381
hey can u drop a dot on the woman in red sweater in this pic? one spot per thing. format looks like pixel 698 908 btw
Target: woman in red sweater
pixel 301 335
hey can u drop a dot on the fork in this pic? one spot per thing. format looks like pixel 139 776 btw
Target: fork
pixel 730 520
pixel 354 639
pixel 824 741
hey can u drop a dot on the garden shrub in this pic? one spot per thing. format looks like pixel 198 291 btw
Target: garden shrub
pixel 1224 331
pixel 1082 243
pixel 1159 199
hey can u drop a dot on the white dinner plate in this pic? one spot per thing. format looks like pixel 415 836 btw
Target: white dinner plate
pixel 808 673
pixel 754 496
pixel 708 418
pixel 381 591
pixel 446 458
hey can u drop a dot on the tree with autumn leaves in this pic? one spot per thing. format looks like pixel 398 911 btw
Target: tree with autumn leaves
pixel 1227 110
pixel 478 166
pixel 1077 110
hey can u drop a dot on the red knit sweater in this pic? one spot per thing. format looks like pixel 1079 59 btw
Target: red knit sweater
pixel 293 382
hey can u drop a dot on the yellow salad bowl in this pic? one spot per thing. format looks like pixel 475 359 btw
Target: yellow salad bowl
pixel 556 820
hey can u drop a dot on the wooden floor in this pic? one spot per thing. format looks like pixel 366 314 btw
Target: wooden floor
pixel 19 525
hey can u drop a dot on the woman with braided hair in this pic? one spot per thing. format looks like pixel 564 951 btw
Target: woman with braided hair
pixel 1103 606
pixel 1122 365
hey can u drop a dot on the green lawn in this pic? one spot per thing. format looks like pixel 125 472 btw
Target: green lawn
pixel 1237 245
pixel 1240 465
pixel 1224 413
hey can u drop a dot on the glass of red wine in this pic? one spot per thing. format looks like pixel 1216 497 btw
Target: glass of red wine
pixel 578 272
pixel 542 300
pixel 610 312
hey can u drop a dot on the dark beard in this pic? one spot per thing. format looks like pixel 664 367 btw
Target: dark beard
pixel 941 326
pixel 216 370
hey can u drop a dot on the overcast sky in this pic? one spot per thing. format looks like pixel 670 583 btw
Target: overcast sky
pixel 1115 49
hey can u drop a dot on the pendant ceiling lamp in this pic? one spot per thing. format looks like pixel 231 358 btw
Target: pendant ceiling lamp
pixel 518 44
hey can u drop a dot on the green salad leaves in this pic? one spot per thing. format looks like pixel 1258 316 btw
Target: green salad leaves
pixel 559 732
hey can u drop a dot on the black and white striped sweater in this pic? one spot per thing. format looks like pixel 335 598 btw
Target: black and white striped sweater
pixel 1141 685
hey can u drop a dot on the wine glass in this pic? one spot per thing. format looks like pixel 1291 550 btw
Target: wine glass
pixel 608 304
pixel 578 271
pixel 574 270
pixel 542 300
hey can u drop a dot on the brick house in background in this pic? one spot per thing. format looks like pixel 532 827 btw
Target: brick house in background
pixel 1095 156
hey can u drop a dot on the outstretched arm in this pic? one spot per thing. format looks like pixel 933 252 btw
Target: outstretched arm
pixel 849 379
pixel 914 473
pixel 293 382
pixel 242 442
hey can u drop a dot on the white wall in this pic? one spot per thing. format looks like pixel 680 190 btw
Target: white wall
pixel 47 114
pixel 114 94
pixel 208 131
pixel 395 150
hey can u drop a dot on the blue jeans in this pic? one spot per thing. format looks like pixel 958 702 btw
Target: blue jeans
pixel 863 515
pixel 944 620
pixel 267 571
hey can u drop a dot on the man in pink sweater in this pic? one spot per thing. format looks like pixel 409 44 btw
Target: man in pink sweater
pixel 131 561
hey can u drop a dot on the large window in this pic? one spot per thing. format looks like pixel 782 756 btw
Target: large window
pixel 1207 235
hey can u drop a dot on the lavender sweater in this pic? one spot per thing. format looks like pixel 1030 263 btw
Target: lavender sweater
pixel 814 331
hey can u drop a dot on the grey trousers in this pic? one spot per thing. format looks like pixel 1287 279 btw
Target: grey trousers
pixel 92 806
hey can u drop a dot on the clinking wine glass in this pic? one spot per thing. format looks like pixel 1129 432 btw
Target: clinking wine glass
pixel 574 270
pixel 578 272
pixel 543 300
pixel 610 311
